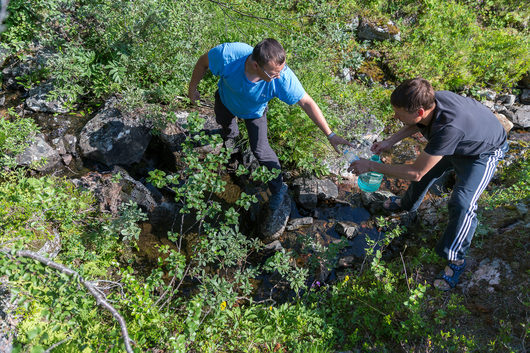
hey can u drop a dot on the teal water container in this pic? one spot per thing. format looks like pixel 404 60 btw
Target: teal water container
pixel 370 181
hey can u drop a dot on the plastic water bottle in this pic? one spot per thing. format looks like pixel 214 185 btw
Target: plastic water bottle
pixel 370 181
pixel 350 155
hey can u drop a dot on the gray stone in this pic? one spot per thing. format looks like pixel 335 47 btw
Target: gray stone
pixel 507 99
pixel 70 142
pixel 521 116
pixel 490 273
pixel 114 138
pixel 112 191
pixel 38 100
pixel 299 222
pixel 309 191
pixel 345 74
pixel 525 96
pixel 39 155
pixel 349 230
pixel 2 100
pixel 369 30
pixel 59 145
pixel 173 135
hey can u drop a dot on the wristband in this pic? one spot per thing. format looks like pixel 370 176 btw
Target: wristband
pixel 331 135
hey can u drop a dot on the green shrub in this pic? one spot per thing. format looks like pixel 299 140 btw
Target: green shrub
pixel 447 46
pixel 15 137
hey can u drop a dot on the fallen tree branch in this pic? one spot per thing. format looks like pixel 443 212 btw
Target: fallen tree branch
pixel 100 300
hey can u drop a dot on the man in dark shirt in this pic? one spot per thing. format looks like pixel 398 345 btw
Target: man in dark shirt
pixel 464 136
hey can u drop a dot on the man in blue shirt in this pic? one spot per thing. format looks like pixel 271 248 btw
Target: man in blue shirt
pixel 249 79
pixel 463 135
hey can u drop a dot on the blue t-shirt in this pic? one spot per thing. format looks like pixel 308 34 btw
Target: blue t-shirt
pixel 461 126
pixel 245 99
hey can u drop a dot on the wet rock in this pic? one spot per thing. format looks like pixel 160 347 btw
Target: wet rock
pixel 274 246
pixel 309 191
pixel 39 156
pixel 525 96
pixel 114 138
pixel 299 222
pixel 372 30
pixel 521 116
pixel 345 261
pixel 373 201
pixel 2 100
pixel 349 230
pixel 276 221
pixel 164 218
pixel 38 100
pixel 489 274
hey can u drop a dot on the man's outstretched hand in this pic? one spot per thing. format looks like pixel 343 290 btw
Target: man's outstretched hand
pixel 336 141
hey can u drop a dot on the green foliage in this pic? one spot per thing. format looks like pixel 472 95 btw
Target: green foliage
pixel 32 207
pixel 15 137
pixel 448 47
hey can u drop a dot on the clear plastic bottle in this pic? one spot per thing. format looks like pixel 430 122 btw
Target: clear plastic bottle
pixel 370 181
pixel 350 155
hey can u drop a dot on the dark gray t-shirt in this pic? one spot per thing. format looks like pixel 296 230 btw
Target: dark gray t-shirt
pixel 461 126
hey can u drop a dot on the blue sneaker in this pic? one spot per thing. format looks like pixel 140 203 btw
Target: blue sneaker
pixel 277 198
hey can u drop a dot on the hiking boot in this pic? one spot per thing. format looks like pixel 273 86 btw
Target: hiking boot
pixel 277 198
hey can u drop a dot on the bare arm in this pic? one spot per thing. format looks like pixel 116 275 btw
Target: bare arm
pixel 201 67
pixel 315 114
pixel 414 171
pixel 404 132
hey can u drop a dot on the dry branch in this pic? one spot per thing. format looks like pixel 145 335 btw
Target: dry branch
pixel 100 300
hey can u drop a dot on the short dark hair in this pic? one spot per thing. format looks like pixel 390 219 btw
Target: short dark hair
pixel 267 51
pixel 413 94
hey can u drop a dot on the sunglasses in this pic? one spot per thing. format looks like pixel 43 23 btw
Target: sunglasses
pixel 272 77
